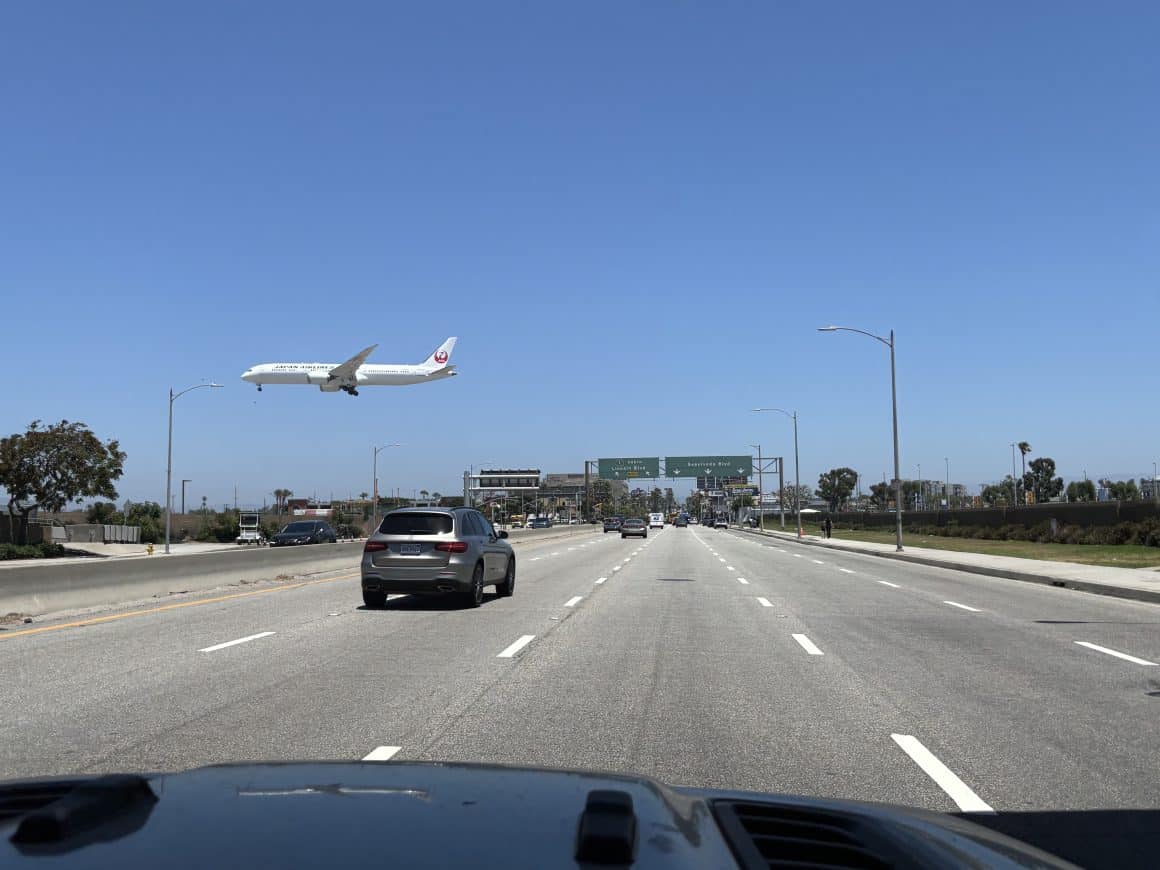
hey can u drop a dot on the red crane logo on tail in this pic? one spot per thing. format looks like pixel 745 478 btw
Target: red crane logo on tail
pixel 440 356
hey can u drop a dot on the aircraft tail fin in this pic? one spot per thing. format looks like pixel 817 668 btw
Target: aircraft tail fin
pixel 441 355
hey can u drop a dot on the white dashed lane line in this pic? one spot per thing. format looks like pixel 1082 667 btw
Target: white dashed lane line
pixel 943 776
pixel 1118 655
pixel 963 606
pixel 807 645
pixel 817 561
pixel 764 602
pixel 743 581
pixel 251 637
pixel 888 583
pixel 845 570
pixel 572 602
pixel 382 753
pixel 600 580
pixel 516 647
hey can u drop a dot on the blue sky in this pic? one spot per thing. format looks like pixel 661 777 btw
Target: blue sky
pixel 633 215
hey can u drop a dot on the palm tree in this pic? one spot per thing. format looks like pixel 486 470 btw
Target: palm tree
pixel 363 496
pixel 1024 449
pixel 436 497
pixel 424 494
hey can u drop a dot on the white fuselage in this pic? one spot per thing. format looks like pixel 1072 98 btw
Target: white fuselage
pixel 318 374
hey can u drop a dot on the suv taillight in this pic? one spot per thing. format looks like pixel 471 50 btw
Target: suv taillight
pixel 374 546
pixel 452 546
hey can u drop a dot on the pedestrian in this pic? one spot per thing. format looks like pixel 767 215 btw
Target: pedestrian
pixel 829 524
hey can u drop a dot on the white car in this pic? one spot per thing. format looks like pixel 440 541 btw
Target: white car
pixel 656 521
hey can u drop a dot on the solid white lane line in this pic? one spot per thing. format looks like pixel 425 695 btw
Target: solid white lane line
pixel 944 778
pixel 516 647
pixel 817 561
pixel 962 606
pixel 382 753
pixel 1118 655
pixel 743 581
pixel 765 602
pixel 572 602
pixel 807 645
pixel 845 570
pixel 888 583
pixel 600 580
pixel 218 646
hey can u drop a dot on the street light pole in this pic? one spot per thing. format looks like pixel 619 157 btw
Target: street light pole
pixel 183 483
pixel 947 491
pixel 375 479
pixel 894 403
pixel 169 457
pixel 797 481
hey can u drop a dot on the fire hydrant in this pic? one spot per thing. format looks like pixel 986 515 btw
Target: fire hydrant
pixel 149 549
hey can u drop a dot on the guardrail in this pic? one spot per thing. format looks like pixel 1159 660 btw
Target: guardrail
pixel 43 588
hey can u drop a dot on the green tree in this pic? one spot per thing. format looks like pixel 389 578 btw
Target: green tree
pixel 881 495
pixel 836 485
pixel 148 515
pixel 656 499
pixel 1041 480
pixel 999 494
pixel 1121 490
pixel 50 466
pixel 1081 490
pixel 103 513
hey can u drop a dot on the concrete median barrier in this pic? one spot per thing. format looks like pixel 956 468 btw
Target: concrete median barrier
pixel 44 587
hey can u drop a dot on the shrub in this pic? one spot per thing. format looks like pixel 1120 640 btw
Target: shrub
pixel 30 551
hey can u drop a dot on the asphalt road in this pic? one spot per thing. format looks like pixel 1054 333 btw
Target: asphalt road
pixel 701 657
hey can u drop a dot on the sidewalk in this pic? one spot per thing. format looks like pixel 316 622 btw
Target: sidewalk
pixel 1142 584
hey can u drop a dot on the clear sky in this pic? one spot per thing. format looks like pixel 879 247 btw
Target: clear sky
pixel 633 215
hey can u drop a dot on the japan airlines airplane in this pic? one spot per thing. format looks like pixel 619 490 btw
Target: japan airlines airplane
pixel 354 373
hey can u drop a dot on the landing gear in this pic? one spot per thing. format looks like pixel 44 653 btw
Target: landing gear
pixel 259 388
pixel 351 390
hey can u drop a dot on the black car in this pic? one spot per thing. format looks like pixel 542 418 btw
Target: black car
pixel 681 522
pixel 304 532
pixel 612 524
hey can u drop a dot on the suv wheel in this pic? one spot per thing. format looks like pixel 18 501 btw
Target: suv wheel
pixel 474 596
pixel 374 600
pixel 508 586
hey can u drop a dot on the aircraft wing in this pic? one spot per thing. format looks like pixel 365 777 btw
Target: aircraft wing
pixel 348 370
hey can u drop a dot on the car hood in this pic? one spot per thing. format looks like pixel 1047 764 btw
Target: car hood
pixel 374 813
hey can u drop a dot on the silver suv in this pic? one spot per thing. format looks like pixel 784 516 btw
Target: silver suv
pixel 437 551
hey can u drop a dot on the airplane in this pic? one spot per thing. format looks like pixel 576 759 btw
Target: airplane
pixel 354 373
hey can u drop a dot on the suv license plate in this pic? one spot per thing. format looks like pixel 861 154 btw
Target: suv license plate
pixel 410 549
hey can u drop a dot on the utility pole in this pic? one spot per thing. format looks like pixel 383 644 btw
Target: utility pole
pixel 183 483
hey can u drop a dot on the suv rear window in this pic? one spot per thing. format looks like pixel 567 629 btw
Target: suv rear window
pixel 416 524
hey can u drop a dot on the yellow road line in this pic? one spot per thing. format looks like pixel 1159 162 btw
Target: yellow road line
pixel 98 619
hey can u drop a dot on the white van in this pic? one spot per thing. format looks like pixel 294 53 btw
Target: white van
pixel 656 521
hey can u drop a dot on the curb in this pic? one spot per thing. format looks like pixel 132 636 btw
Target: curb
pixel 1148 595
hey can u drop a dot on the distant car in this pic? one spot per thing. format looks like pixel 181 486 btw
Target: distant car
pixel 540 523
pixel 304 532
pixel 720 523
pixel 612 524
pixel 633 527
pixel 437 551
pixel 680 522
pixel 694 521
pixel 656 521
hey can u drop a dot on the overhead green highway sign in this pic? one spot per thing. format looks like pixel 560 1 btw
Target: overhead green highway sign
pixel 708 466
pixel 629 467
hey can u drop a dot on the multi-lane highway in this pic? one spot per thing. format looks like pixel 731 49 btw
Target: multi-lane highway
pixel 701 657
